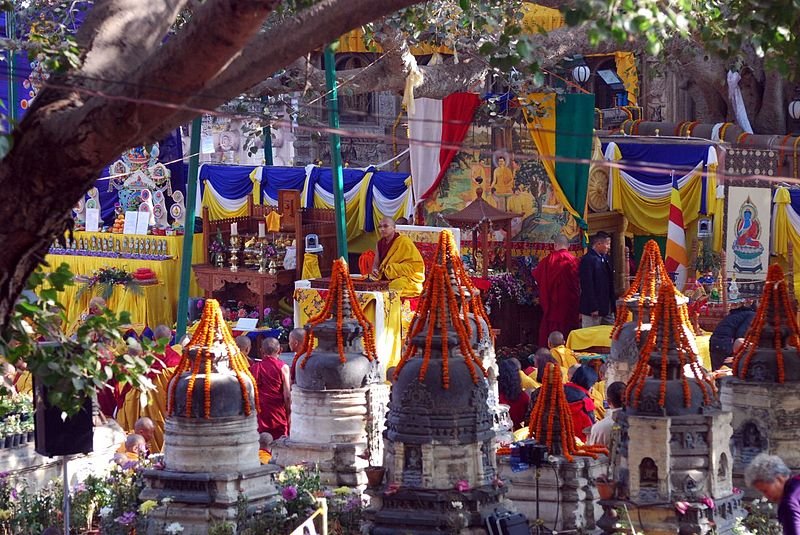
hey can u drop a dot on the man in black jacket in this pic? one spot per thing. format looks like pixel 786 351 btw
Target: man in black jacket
pixel 598 301
pixel 732 326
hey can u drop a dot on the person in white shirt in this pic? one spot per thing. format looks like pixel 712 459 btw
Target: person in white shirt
pixel 601 431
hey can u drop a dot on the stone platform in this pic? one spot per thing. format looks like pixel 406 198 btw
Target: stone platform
pixel 567 493
pixel 766 418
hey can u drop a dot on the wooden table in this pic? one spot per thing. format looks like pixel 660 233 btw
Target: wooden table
pixel 267 288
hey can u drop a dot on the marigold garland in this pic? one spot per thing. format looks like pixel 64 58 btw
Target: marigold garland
pixel 666 313
pixel 650 276
pixel 340 283
pixel 551 401
pixel 774 299
pixel 212 331
pixel 438 305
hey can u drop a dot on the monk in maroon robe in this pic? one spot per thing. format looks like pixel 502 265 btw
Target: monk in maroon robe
pixel 274 390
pixel 559 290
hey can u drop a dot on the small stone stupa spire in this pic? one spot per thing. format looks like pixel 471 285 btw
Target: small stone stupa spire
pixel 659 384
pixel 650 276
pixel 211 351
pixel 447 296
pixel 764 356
pixel 342 304
pixel 551 421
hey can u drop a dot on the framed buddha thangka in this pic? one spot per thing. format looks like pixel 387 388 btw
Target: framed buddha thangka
pixel 748 232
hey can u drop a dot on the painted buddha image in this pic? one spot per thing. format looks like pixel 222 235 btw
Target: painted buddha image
pixel 503 177
pixel 747 248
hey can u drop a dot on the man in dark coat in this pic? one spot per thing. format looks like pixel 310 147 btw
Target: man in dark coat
pixel 598 302
pixel 732 326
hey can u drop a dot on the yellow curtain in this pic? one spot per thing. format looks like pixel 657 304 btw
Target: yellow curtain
pixel 719 213
pixel 542 128
pixel 629 74
pixel 255 177
pixel 783 231
pixel 217 211
pixel 540 19
pixel 650 216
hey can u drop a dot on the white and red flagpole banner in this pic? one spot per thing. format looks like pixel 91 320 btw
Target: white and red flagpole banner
pixel 436 130
pixel 677 258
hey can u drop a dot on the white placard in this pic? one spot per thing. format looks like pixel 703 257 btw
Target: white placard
pixel 143 222
pixel 207 145
pixel 246 324
pixel 131 219
pixel 92 219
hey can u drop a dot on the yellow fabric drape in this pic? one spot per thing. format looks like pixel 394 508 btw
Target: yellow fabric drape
pixel 629 74
pixel 273 222
pixel 651 216
pixel 311 266
pixel 157 304
pixel 155 408
pixel 542 128
pixel 216 210
pixel 783 231
pixel 540 19
pixel 255 178
pixel 719 212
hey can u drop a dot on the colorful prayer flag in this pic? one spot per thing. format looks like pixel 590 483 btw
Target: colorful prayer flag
pixel 677 260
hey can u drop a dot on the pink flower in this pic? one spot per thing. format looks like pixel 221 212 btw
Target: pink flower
pixel 708 502
pixel 242 313
pixel 462 485
pixel 267 312
pixel 289 493
pixel 287 322
pixel 737 490
pixel 392 489
pixel 682 507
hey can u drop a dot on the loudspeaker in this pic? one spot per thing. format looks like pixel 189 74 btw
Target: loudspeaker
pixel 55 436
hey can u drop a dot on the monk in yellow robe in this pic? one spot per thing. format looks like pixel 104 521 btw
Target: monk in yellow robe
pixel 131 410
pixel 563 355
pixel 398 261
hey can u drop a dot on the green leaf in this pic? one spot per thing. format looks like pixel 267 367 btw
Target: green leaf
pixel 464 4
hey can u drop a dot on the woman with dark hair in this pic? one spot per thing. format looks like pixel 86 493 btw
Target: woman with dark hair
pixel 510 386
pixel 541 359
pixel 581 404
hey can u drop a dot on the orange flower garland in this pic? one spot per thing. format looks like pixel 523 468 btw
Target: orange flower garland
pixel 650 275
pixel 340 282
pixel 437 305
pixel 211 331
pixel 774 298
pixel 667 314
pixel 552 401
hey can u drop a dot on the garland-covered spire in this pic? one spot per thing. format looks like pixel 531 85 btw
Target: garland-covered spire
pixel 551 420
pixel 447 297
pixel 342 302
pixel 774 309
pixel 211 344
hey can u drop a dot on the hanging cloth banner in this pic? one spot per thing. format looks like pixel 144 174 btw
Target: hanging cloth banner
pixel 436 129
pixel 644 195
pixel 786 228
pixel 574 134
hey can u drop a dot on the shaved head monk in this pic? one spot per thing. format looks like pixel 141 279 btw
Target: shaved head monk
pixel 398 261
pixel 559 290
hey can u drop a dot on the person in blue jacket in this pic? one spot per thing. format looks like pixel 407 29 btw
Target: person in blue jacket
pixel 598 301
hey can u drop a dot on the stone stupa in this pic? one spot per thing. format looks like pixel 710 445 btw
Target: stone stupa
pixel 762 394
pixel 211 436
pixel 440 464
pixel 678 446
pixel 629 335
pixel 338 399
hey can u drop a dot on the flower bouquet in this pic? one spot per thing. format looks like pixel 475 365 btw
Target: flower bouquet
pixel 103 280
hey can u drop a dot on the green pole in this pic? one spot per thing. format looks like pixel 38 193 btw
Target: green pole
pixel 11 32
pixel 267 133
pixel 188 235
pixel 336 153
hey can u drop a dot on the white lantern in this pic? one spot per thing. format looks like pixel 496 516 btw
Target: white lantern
pixel 794 108
pixel 581 74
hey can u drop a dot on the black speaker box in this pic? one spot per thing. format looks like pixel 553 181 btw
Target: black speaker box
pixel 55 436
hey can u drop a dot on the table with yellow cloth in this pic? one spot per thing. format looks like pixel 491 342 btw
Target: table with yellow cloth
pixel 600 336
pixel 308 302
pixel 156 304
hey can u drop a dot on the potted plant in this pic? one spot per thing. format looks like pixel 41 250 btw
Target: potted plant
pixel 374 473
pixel 708 264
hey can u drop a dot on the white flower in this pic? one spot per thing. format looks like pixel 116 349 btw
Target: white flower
pixel 105 511
pixel 174 528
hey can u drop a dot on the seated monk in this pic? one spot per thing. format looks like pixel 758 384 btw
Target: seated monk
pixel 135 448
pixel 398 261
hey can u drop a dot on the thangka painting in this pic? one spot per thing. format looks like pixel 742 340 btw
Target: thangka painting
pixel 427 240
pixel 748 228
pixel 504 164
